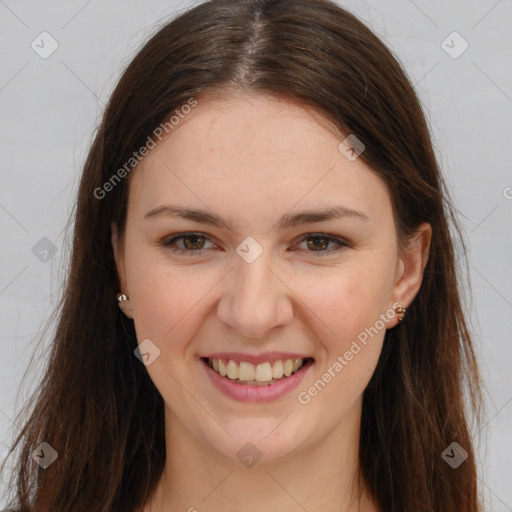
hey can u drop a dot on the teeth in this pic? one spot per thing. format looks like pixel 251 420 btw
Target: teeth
pixel 277 370
pixel 264 373
pixel 245 371
pixel 222 368
pixel 232 370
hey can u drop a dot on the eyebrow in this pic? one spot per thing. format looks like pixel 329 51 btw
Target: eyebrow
pixel 287 221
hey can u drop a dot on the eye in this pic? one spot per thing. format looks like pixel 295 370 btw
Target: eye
pixel 193 244
pixel 318 242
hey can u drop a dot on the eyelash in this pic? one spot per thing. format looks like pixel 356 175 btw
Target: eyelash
pixel 169 241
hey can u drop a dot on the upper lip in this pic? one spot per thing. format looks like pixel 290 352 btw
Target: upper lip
pixel 257 358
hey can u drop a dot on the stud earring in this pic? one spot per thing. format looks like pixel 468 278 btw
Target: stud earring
pixel 400 312
pixel 123 301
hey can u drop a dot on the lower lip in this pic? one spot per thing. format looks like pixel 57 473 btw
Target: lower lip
pixel 248 393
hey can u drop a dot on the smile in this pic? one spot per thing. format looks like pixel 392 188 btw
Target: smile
pixel 256 382
pixel 262 374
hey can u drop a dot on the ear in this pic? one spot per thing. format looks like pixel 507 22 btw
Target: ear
pixel 412 262
pixel 117 246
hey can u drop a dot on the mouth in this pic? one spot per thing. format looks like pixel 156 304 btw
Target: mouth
pixel 263 374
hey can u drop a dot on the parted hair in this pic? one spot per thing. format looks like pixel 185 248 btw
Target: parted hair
pixel 96 405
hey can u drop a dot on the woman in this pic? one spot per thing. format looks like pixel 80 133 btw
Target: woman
pixel 262 310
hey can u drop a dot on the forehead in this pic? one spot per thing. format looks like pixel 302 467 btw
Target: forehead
pixel 256 153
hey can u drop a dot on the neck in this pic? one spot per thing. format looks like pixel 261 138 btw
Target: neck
pixel 325 476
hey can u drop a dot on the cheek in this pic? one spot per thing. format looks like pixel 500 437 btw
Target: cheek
pixel 345 299
pixel 344 309
pixel 346 314
pixel 167 299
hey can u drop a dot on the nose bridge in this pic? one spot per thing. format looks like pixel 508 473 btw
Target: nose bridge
pixel 255 300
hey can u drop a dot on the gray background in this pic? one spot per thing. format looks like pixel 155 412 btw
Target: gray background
pixel 49 108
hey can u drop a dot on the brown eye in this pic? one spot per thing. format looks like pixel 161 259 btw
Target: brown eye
pixel 193 242
pixel 190 244
pixel 318 243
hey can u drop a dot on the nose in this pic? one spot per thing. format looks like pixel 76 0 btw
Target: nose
pixel 255 298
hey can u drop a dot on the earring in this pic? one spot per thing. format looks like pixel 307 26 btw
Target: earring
pixel 123 301
pixel 400 312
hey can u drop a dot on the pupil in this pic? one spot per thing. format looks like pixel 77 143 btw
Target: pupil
pixel 316 245
pixel 194 239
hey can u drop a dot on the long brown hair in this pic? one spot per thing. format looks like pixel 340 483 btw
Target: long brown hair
pixel 96 405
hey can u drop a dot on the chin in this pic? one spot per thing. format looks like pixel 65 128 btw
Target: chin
pixel 256 441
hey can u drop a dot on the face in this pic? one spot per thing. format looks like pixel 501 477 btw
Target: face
pixel 264 283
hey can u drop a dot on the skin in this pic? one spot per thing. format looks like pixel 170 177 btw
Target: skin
pixel 253 158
